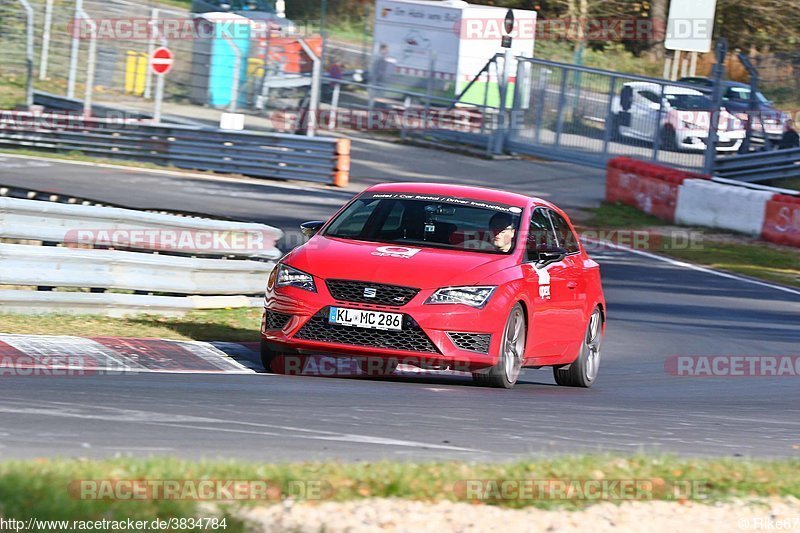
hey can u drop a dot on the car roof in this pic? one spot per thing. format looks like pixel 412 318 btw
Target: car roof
pixel 461 191
pixel 668 89
pixel 725 83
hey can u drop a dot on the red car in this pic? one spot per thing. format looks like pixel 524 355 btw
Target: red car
pixel 441 277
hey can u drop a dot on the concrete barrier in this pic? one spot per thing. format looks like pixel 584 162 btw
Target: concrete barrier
pixel 696 200
pixel 782 220
pixel 714 205
pixel 650 188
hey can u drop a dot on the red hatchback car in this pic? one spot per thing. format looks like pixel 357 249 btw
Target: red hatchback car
pixel 441 277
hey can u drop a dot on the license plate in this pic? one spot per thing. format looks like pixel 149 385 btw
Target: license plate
pixel 365 319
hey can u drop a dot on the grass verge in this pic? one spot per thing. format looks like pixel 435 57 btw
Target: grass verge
pixel 46 489
pixel 234 325
pixel 714 248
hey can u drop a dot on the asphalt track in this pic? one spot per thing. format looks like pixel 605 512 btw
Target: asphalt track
pixel 657 309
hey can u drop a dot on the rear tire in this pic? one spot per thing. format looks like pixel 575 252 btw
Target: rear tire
pixel 583 371
pixel 505 373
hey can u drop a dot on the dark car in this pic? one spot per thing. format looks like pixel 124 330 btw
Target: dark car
pixel 736 99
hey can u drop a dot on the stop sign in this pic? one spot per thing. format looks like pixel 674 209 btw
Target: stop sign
pixel 161 60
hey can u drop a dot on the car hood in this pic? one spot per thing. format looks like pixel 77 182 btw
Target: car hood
pixel 424 268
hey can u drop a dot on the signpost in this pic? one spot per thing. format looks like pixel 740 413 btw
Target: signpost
pixel 161 62
pixel 690 28
pixel 505 120
pixel 508 26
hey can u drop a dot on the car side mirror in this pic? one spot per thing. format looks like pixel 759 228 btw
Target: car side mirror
pixel 550 254
pixel 310 229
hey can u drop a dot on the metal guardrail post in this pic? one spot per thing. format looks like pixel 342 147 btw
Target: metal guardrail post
pixel 657 135
pixel 316 82
pixel 544 76
pixel 562 100
pixel 89 92
pixel 752 107
pixel 499 144
pixel 516 103
pixel 607 132
pixel 151 47
pixel 716 98
pixel 48 24
pixel 337 88
pixel 28 52
pixel 75 50
pixel 429 87
pixel 485 103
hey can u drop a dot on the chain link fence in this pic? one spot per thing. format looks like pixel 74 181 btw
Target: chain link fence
pixel 14 62
pixel 98 51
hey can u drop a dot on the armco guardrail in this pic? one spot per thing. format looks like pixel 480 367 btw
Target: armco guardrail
pixel 170 281
pixel 694 199
pixel 760 166
pixel 263 155
pixel 25 265
pixel 125 228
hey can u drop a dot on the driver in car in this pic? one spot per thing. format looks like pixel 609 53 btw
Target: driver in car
pixel 502 227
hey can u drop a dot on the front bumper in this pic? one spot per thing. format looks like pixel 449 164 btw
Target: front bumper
pixel 431 335
pixel 698 139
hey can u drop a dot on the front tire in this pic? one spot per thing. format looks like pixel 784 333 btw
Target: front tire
pixel 583 371
pixel 505 373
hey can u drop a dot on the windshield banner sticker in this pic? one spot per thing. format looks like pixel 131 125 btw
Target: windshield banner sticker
pixel 465 202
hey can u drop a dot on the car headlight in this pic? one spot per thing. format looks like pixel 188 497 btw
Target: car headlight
pixel 691 126
pixel 291 277
pixel 471 296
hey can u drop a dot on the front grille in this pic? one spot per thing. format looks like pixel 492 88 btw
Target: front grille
pixel 471 342
pixel 277 320
pixel 411 338
pixel 354 291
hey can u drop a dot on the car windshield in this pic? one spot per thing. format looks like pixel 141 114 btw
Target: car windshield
pixel 250 5
pixel 687 102
pixel 429 221
pixel 743 93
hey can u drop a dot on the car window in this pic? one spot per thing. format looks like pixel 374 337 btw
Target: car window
pixel 353 225
pixel 566 237
pixel 650 95
pixel 737 93
pixel 541 234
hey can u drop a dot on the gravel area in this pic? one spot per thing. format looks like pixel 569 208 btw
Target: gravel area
pixel 412 516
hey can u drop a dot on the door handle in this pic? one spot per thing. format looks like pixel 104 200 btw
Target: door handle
pixel 572 285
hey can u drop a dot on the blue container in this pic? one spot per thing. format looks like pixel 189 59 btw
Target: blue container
pixel 214 61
